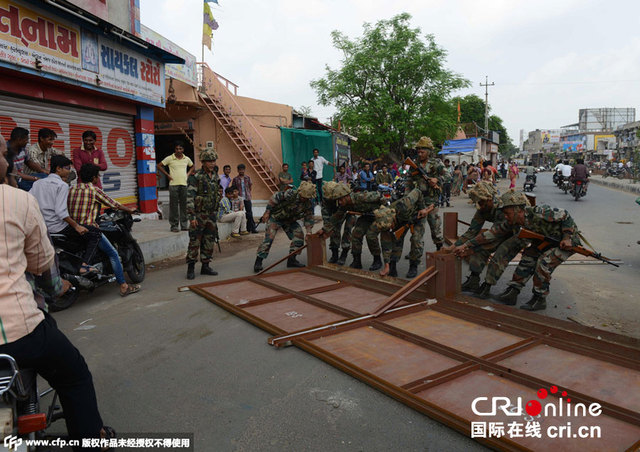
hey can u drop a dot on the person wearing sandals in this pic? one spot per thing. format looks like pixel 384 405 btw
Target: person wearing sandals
pixel 84 204
pixel 52 193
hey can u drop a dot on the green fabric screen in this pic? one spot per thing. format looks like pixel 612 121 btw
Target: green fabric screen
pixel 298 146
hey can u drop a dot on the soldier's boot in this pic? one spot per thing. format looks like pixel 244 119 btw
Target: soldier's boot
pixel 257 266
pixel 191 270
pixel 413 269
pixel 206 270
pixel 508 297
pixel 334 256
pixel 537 303
pixel 343 256
pixel 356 262
pixel 472 283
pixel 438 246
pixel 377 264
pixel 293 263
pixel 484 291
pixel 393 271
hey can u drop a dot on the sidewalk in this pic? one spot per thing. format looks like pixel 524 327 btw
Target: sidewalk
pixel 620 184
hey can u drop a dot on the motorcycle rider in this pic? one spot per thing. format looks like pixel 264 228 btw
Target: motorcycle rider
pixel 566 170
pixel 84 204
pixel 557 172
pixel 52 193
pixel 30 336
pixel 580 172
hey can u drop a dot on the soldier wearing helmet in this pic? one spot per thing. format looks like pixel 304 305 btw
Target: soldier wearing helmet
pixel 329 206
pixel 284 210
pixel 203 199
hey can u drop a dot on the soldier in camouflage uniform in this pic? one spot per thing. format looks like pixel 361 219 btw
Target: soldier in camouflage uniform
pixel 203 199
pixel 284 210
pixel 328 209
pixel 545 220
pixel 406 211
pixel 364 203
pixel 430 189
pixel 504 247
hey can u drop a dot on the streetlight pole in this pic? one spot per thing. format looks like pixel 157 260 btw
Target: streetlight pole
pixel 486 85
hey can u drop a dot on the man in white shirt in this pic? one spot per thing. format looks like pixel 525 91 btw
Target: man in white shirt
pixel 318 165
pixel 566 169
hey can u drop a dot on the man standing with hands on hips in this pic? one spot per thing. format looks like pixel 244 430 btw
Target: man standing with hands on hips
pixel 180 168
pixel 318 164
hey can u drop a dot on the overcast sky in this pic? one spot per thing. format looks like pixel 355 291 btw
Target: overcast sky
pixel 548 58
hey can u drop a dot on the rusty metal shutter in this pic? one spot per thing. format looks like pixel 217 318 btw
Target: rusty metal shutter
pixel 115 136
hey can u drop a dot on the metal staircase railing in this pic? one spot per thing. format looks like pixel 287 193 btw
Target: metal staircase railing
pixel 222 104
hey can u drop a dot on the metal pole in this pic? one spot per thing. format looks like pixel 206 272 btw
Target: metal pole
pixel 486 85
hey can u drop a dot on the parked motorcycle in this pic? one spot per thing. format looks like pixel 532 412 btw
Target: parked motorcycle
pixel 615 171
pixel 116 226
pixel 20 405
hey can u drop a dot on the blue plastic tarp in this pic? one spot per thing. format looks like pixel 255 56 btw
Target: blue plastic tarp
pixel 459 146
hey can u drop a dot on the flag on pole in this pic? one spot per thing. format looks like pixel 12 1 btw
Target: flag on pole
pixel 208 25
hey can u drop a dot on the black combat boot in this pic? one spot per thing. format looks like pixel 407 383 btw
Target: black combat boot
pixel 508 297
pixel 257 266
pixel 334 256
pixel 356 261
pixel 413 269
pixel 484 291
pixel 472 283
pixel 343 256
pixel 377 264
pixel 537 303
pixel 293 263
pixel 206 270
pixel 393 271
pixel 191 270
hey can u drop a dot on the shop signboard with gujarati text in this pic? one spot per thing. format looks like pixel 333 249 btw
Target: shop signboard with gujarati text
pixel 66 50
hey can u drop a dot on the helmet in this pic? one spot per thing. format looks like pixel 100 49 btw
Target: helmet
pixel 384 218
pixel 513 198
pixel 208 155
pixel 307 190
pixel 328 190
pixel 341 190
pixel 482 191
pixel 424 143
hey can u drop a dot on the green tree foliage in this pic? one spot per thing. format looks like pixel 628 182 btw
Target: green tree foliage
pixel 472 110
pixel 391 88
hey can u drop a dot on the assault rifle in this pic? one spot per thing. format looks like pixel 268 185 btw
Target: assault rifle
pixel 545 242
pixel 398 233
pixel 418 170
pixel 360 214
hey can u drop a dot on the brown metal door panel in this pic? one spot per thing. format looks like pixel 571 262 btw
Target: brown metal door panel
pixel 241 292
pixel 468 337
pixel 293 314
pixel 456 396
pixel 353 298
pixel 384 355
pixel 299 281
pixel 600 379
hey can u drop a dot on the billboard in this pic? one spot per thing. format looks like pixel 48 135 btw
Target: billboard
pixel 550 136
pixel 187 72
pixel 572 146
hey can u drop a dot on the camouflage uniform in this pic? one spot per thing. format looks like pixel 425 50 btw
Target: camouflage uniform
pixel 406 209
pixel 328 209
pixel 203 199
pixel 436 169
pixel 285 209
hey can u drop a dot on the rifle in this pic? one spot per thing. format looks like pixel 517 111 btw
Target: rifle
pixel 418 170
pixel 360 214
pixel 546 242
pixel 217 240
pixel 398 233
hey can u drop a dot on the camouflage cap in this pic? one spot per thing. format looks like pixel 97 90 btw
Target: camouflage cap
pixel 341 190
pixel 513 198
pixel 483 190
pixel 384 218
pixel 424 143
pixel 328 190
pixel 208 155
pixel 307 190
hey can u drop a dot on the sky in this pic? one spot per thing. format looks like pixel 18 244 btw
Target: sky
pixel 547 58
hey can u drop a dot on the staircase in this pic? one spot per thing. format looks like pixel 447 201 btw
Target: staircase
pixel 222 104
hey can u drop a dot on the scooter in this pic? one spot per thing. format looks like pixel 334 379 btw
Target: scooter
pixel 116 226
pixel 530 183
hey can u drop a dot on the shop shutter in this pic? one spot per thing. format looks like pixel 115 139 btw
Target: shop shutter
pixel 115 136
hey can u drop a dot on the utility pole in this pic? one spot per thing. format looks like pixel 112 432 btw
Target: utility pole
pixel 486 85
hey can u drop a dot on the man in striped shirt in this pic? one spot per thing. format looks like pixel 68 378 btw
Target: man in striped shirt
pixel 84 204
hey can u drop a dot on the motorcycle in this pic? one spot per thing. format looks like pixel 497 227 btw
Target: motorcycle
pixel 565 185
pixel 578 190
pixel 530 183
pixel 116 226
pixel 20 405
pixel 614 171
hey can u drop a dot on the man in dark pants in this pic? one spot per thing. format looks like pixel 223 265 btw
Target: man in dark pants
pixel 243 184
pixel 29 336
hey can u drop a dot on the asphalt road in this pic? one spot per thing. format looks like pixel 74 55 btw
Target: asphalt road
pixel 165 361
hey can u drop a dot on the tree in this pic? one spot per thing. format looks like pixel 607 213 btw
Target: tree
pixel 392 87
pixel 304 110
